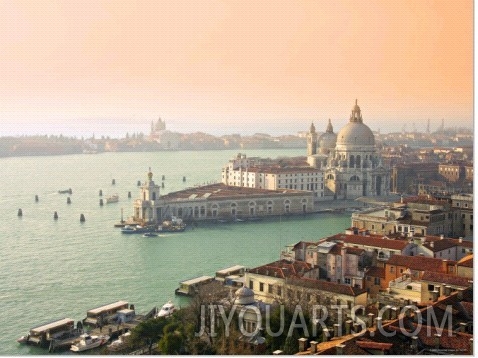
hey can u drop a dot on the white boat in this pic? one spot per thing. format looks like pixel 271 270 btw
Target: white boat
pixel 112 199
pixel 167 310
pixel 89 342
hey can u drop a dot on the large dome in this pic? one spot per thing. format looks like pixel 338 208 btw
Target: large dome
pixel 355 133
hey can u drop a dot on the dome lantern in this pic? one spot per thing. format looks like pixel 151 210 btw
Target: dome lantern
pixel 356 115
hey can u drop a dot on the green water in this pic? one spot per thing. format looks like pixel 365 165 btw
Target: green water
pixel 53 269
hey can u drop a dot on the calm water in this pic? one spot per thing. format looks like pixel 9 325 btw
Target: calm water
pixel 53 269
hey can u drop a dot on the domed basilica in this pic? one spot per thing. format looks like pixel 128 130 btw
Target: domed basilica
pixel 349 160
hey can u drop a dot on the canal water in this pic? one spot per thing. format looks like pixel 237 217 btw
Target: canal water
pixel 51 269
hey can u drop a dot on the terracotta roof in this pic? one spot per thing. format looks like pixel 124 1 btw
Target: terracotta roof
pixel 374 241
pixel 453 342
pixel 439 245
pixel 221 191
pixel 466 261
pixel 419 263
pixel 322 285
pixel 354 251
pixel 376 272
pixel 445 279
pixel 374 345
pixel 282 269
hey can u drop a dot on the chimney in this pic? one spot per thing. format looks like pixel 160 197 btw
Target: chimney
pixel 370 320
pixel 386 312
pixel 460 240
pixel 447 290
pixel 325 335
pixel 459 295
pixel 340 349
pixel 442 237
pixel 462 327
pixel 356 327
pixel 378 323
pixel 435 295
pixel 348 326
pixel 415 343
pixel 337 330
pixel 313 347
pixel 394 313
pixel 471 346
pixel 432 244
pixel 302 344
pixel 436 341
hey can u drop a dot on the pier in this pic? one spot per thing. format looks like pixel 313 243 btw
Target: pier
pixel 113 319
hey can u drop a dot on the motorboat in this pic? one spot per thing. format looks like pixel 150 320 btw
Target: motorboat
pixel 150 234
pixel 89 342
pixel 167 310
pixel 128 230
pixel 112 199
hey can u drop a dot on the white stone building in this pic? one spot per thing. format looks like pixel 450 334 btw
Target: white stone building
pixel 352 167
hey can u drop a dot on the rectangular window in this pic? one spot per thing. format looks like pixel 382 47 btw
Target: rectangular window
pixel 261 286
pixel 431 287
pixel 270 288
pixel 377 280
pixel 279 291
pixel 392 269
pixel 251 284
pixel 347 281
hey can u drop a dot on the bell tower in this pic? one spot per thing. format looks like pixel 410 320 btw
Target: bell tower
pixel 312 140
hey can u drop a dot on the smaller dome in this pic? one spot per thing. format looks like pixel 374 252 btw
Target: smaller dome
pixel 327 140
pixel 244 296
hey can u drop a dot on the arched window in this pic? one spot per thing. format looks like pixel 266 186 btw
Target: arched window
pixel 287 206
pixel 330 177
pixel 352 161
pixel 357 161
pixel 354 178
pixel 233 209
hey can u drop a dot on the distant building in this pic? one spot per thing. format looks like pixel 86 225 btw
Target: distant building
pixel 164 137
pixel 416 216
pixel 244 172
pixel 217 201
pixel 338 166
pixel 462 207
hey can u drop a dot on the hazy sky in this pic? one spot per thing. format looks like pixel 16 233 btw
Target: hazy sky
pixel 233 66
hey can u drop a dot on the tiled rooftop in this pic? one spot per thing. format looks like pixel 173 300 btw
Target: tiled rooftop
pixel 419 263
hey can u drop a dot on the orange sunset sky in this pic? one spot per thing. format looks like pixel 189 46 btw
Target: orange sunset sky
pixel 110 67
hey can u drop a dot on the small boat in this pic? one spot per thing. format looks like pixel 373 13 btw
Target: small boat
pixel 66 191
pixel 150 234
pixel 89 342
pixel 173 225
pixel 112 199
pixel 23 339
pixel 128 230
pixel 167 310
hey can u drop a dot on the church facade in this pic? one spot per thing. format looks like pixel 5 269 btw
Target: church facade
pixel 350 162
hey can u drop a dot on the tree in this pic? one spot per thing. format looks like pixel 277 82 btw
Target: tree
pixel 147 333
